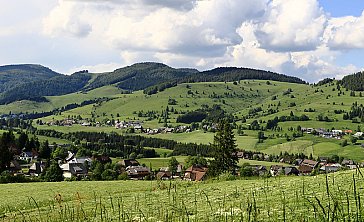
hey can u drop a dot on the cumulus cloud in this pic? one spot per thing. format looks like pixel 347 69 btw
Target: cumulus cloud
pixel 295 25
pixel 295 37
pixel 346 32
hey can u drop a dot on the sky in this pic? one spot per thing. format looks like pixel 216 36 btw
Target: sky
pixel 310 39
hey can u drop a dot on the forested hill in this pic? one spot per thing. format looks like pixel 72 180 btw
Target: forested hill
pixel 229 74
pixel 140 76
pixel 34 82
pixel 354 82
pixel 13 75
pixel 36 91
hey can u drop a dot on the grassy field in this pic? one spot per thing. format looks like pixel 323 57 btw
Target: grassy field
pixel 237 99
pixel 318 198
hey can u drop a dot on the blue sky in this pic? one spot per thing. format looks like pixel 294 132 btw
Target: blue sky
pixel 338 8
pixel 311 39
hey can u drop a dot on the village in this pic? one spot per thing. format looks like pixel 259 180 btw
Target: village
pixel 79 168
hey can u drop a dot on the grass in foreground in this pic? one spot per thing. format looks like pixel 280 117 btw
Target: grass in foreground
pixel 336 197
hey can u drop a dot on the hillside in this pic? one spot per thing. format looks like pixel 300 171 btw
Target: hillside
pixel 246 102
pixel 13 75
pixel 39 82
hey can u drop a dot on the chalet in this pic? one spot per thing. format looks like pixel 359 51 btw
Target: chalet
pixel 331 167
pixel 128 162
pixel 27 156
pixel 164 175
pixel 305 169
pixel 259 170
pixel 14 167
pixel 291 171
pixel 239 154
pixel 298 162
pixel 310 163
pixel 36 169
pixel 137 172
pixel 102 159
pixel 195 173
pixel 285 160
pixel 74 169
pixel 178 171
pixel 347 162
pixel 276 170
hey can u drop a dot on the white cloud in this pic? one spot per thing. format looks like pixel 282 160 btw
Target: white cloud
pixel 295 37
pixel 346 32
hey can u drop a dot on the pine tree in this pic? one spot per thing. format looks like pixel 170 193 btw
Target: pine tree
pixel 53 173
pixel 224 145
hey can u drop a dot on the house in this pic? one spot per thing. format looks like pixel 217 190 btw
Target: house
pixel 195 173
pixel 259 170
pixel 128 162
pixel 298 162
pixel 164 175
pixel 74 169
pixel 291 171
pixel 358 134
pixel 239 154
pixel 331 167
pixel 285 160
pixel 276 170
pixel 27 156
pixel 14 167
pixel 347 162
pixel 36 169
pixel 137 172
pixel 102 159
pixel 310 163
pixel 177 173
pixel 305 169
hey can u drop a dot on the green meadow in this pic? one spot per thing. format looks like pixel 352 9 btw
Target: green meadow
pixel 335 197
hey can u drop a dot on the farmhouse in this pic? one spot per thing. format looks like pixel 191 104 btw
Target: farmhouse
pixel 195 173
pixel 128 162
pixel 305 169
pixel 310 163
pixel 164 175
pixel 73 169
pixel 276 170
pixel 28 156
pixel 137 172
pixel 36 169
pixel 331 167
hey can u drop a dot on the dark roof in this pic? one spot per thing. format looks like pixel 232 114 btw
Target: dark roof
pixel 310 163
pixel 129 162
pixel 164 174
pixel 291 171
pixel 305 169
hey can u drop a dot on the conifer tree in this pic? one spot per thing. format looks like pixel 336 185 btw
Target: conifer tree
pixel 225 159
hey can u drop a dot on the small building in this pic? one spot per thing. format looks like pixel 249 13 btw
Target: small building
pixel 291 171
pixel 74 169
pixel 195 173
pixel 128 162
pixel 310 163
pixel 276 170
pixel 164 175
pixel 305 169
pixel 27 156
pixel 36 169
pixel 137 172
pixel 331 167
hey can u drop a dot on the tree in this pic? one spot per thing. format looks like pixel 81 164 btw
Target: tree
pixel 6 141
pixel 246 170
pixel 53 173
pixel 172 165
pixel 44 150
pixel 22 140
pixel 224 149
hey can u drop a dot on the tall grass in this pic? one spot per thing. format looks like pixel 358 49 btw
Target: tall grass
pixel 333 197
